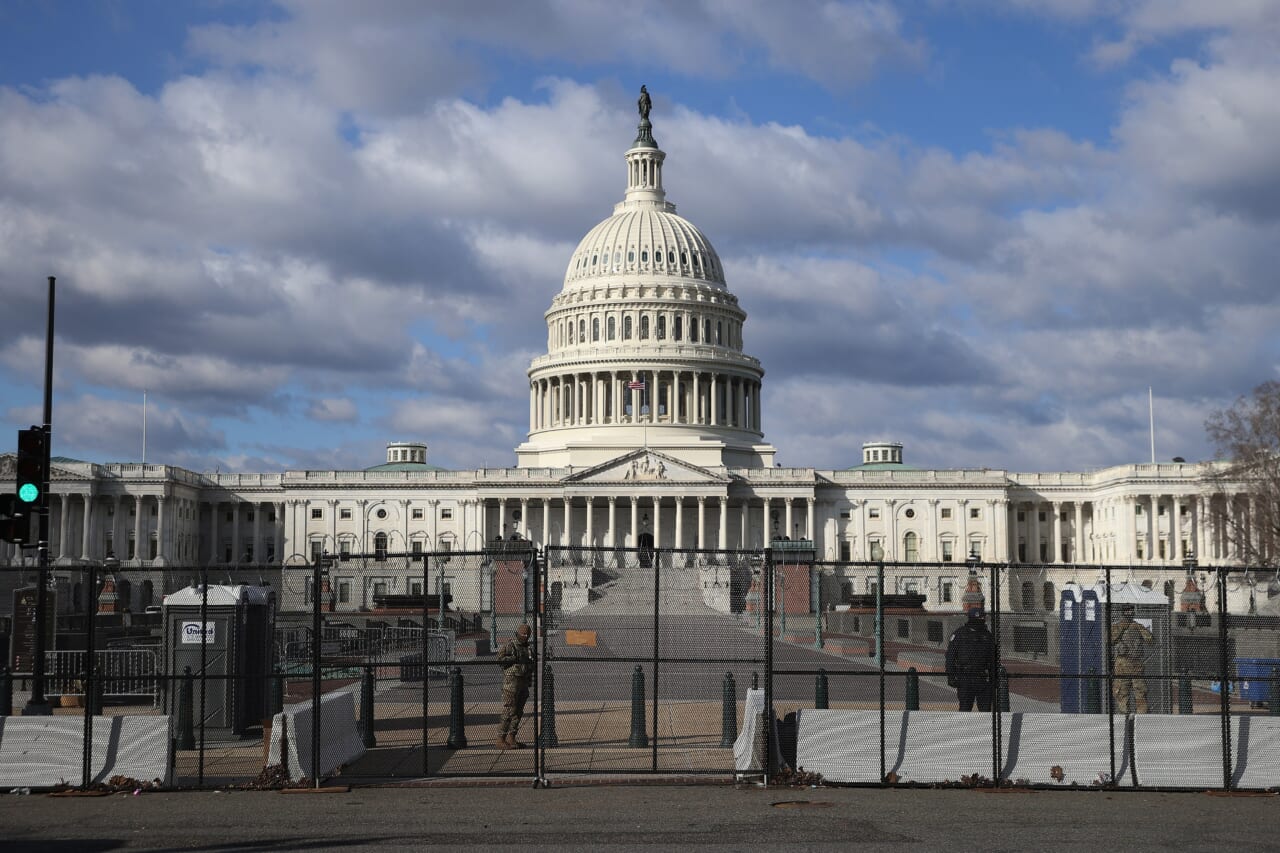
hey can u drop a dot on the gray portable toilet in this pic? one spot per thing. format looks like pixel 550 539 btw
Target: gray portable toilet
pixel 1152 609
pixel 236 637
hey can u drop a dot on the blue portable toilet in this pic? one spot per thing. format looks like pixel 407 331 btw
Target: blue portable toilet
pixel 1079 645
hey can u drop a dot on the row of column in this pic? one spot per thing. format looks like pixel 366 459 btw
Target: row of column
pixel 86 526
pixel 645 397
pixel 885 538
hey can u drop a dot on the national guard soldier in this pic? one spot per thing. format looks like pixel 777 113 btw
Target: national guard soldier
pixel 969 654
pixel 1130 642
pixel 517 673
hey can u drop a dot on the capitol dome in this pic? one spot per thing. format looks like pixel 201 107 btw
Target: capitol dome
pixel 644 342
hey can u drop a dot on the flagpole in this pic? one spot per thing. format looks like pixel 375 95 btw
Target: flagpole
pixel 1151 413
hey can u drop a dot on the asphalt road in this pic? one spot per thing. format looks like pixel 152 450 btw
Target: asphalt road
pixel 641 818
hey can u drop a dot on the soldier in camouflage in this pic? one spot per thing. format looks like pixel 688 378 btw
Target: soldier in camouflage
pixel 517 674
pixel 1130 641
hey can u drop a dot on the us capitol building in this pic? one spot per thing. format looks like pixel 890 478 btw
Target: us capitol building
pixel 645 430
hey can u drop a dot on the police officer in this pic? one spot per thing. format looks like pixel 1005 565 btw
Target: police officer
pixel 969 654
pixel 1130 641
pixel 517 674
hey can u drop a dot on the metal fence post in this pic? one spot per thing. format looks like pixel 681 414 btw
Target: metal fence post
pixel 1224 694
pixel 6 691
pixel 1184 694
pixel 1109 676
pixel 768 675
pixel 547 731
pixel 457 721
pixel 913 689
pixel 185 723
pixel 820 692
pixel 638 737
pixel 728 712
pixel 367 719
pixel 880 656
pixel 1273 706
pixel 316 571
pixel 1002 688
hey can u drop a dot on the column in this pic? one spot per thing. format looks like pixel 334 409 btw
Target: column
pixel 1131 526
pixel 235 530
pixel 1175 529
pixel 1153 527
pixel 700 540
pixel 117 507
pixel 679 541
pixel 502 517
pixel 657 518
pixel 88 524
pixel 546 522
pixel 1077 538
pixel 591 530
pixel 992 551
pixel 1198 507
pixel 565 534
pixel 1056 556
pixel 715 399
pixel 724 524
pixel 612 540
pixel 162 532
pixel 257 532
pixel 635 521
pixel 695 410
pixel 808 524
pixel 765 532
pixel 279 531
pixel 523 526
pixel 62 526
pixel 787 517
pixel 1033 546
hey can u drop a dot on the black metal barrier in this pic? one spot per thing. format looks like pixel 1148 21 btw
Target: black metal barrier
pixel 1164 677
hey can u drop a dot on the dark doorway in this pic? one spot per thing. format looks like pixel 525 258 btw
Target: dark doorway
pixel 646 550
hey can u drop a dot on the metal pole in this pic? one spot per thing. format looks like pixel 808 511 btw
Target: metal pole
pixel 1224 694
pixel 535 569
pixel 995 669
pixel 880 655
pixel 426 647
pixel 89 649
pixel 1106 662
pixel 657 609
pixel 316 571
pixel 204 683
pixel 767 603
pixel 38 704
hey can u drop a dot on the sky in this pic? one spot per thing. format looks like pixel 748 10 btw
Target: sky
pixel 304 229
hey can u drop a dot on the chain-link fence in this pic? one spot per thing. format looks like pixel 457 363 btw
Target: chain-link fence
pixel 643 661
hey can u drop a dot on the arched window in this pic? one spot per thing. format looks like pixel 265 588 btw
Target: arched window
pixel 594 259
pixel 677 328
pixel 1050 601
pixel 631 257
pixel 380 547
pixel 662 327
pixel 693 330
pixel 626 328
pixel 570 331
pixel 611 328
pixel 644 327
pixel 582 331
pixel 911 548
pixel 706 330
pixel 148 594
pixel 644 256
pixel 595 328
pixel 671 257
pixel 684 259
pixel 1028 596
pixel 719 333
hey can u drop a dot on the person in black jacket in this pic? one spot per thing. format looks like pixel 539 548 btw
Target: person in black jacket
pixel 969 662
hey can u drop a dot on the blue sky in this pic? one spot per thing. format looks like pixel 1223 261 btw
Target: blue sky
pixel 308 228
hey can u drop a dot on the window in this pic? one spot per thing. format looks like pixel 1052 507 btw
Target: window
pixel 416 546
pixel 380 547
pixel 626 328
pixel 612 328
pixel 230 516
pixel 344 514
pixel 844 513
pixel 446 512
pixel 153 511
pixel 910 513
pixel 693 331
pixel 946 512
pixel 595 328
pixel 677 328
pixel 417 512
pixel 948 548
pixel 1022 552
pixel 631 256
pixel 644 327
pixel 344 590
pixel 250 515
pixel 719 332
pixel 904 629
pixel 1137 509
pixel 582 331
pixel 316 512
pixel 644 256
pixel 344 548
pixel 684 259
pixel 155 546
pixel 271 517
pixel 975 548
pixel 671 257
pixel 1161 548
pixel 974 512
pixel 1050 601
pixel 946 591
pixel 662 328
pixel 911 548
pixel 1040 516
pixel 132 548
pixel 873 512
pixel 845 551
pixel 1022 516
pixel 1160 509
pixel 317 548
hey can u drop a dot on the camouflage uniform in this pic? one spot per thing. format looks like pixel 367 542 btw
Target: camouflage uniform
pixel 517 673
pixel 1129 643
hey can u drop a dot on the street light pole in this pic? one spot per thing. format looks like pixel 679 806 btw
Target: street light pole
pixel 38 705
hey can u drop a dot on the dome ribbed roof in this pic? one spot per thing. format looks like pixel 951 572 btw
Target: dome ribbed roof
pixel 644 240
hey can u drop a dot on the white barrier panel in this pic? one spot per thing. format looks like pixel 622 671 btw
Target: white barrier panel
pixel 1079 745
pixel 340 740
pixel 1257 739
pixel 744 752
pixel 940 746
pixel 44 752
pixel 1178 751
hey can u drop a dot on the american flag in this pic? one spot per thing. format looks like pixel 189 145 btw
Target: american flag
pixel 635 385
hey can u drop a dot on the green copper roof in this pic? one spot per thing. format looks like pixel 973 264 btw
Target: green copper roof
pixel 882 466
pixel 406 466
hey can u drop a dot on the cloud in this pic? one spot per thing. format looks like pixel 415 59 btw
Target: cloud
pixel 333 410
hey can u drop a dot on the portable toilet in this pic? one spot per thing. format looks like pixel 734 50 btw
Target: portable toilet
pixel 1154 611
pixel 1080 641
pixel 236 638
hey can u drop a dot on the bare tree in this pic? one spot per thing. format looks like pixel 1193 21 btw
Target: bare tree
pixel 1246 437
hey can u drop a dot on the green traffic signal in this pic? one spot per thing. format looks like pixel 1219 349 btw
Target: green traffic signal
pixel 28 492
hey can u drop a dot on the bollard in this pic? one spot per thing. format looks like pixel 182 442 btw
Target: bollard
pixel 457 726
pixel 913 689
pixel 99 695
pixel 6 691
pixel 728 712
pixel 1002 688
pixel 277 694
pixel 186 714
pixel 1184 694
pixel 367 719
pixel 820 690
pixel 638 737
pixel 1093 693
pixel 755 681
pixel 1274 709
pixel 548 736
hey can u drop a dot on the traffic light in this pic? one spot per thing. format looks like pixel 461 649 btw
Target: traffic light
pixel 15 520
pixel 30 468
